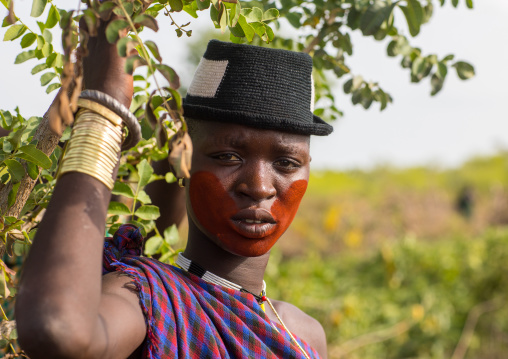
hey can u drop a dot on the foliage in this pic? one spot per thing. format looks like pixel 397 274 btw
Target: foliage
pixel 324 31
pixel 325 28
pixel 415 296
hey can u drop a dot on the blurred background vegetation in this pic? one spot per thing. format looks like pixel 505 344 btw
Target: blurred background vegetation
pixel 402 263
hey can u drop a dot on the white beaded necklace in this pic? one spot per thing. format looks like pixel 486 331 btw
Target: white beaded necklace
pixel 196 269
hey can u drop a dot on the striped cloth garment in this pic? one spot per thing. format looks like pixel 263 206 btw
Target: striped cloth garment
pixel 190 318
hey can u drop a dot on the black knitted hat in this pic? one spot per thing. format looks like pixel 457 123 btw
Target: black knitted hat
pixel 255 86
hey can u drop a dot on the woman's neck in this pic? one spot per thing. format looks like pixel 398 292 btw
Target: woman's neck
pixel 245 271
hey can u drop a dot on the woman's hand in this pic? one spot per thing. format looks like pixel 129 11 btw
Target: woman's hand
pixel 104 68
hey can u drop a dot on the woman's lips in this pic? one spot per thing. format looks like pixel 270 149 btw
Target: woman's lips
pixel 254 223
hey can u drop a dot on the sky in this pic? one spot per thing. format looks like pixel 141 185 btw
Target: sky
pixel 466 119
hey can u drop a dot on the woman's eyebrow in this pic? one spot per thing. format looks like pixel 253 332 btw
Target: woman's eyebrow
pixel 236 141
pixel 286 147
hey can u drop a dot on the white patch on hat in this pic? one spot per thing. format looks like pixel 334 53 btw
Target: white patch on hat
pixel 312 94
pixel 207 78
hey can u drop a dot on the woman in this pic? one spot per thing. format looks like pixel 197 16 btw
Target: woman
pixel 250 123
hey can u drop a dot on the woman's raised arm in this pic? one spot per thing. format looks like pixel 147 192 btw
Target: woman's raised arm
pixel 63 309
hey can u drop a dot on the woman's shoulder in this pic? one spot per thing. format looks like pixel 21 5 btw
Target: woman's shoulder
pixel 302 325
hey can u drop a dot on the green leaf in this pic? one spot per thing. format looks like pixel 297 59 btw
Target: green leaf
pixel 353 84
pixel 191 9
pixel 121 45
pixel 153 244
pixel 319 112
pixel 14 32
pixel 38 7
pixel 254 14
pixel 214 15
pixel 65 18
pixel 53 17
pixel 170 177
pixel 345 44
pixel 47 35
pixel 113 29
pixel 34 155
pixel 41 25
pixel 455 3
pixel 294 19
pixel 436 83
pixel 270 14
pixel 169 74
pixel 118 208
pixel 374 17
pixel 247 28
pixel 40 42
pixel 106 6
pixel 143 197
pixel 33 170
pixel 223 19
pixel 270 33
pixel 66 135
pixel 6 119
pixel 442 70
pixel 147 21
pixel 133 62
pixel 11 197
pixel 16 170
pixel 15 137
pixel 53 87
pixel 203 5
pixel 148 212
pixel 28 40
pixel 469 4
pixel 20 249
pixel 171 235
pixel 236 30
pixel 154 49
pixel 176 5
pixel 418 66
pixel 259 27
pixel 464 70
pixel 447 58
pixel 123 189
pixel 54 60
pixel 4 290
pixel 47 77
pixel 234 14
pixel 6 145
pixel 145 171
pixel 39 68
pixel 176 99
pixel 47 49
pixel 414 16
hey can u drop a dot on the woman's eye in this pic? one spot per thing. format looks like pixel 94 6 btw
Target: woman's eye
pixel 287 164
pixel 227 157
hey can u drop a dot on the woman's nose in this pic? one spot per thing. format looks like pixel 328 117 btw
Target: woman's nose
pixel 256 182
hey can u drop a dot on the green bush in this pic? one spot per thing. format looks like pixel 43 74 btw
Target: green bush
pixel 409 299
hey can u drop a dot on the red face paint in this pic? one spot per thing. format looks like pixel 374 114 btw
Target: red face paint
pixel 214 209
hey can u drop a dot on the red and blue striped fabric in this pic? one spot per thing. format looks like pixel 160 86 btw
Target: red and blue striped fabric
pixel 190 318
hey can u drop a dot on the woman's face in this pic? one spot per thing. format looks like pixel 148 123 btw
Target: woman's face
pixel 246 184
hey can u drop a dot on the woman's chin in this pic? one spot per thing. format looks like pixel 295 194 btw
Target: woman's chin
pixel 247 247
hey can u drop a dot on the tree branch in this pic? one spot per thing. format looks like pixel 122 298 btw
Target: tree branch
pixel 46 142
pixel 371 338
pixel 471 321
